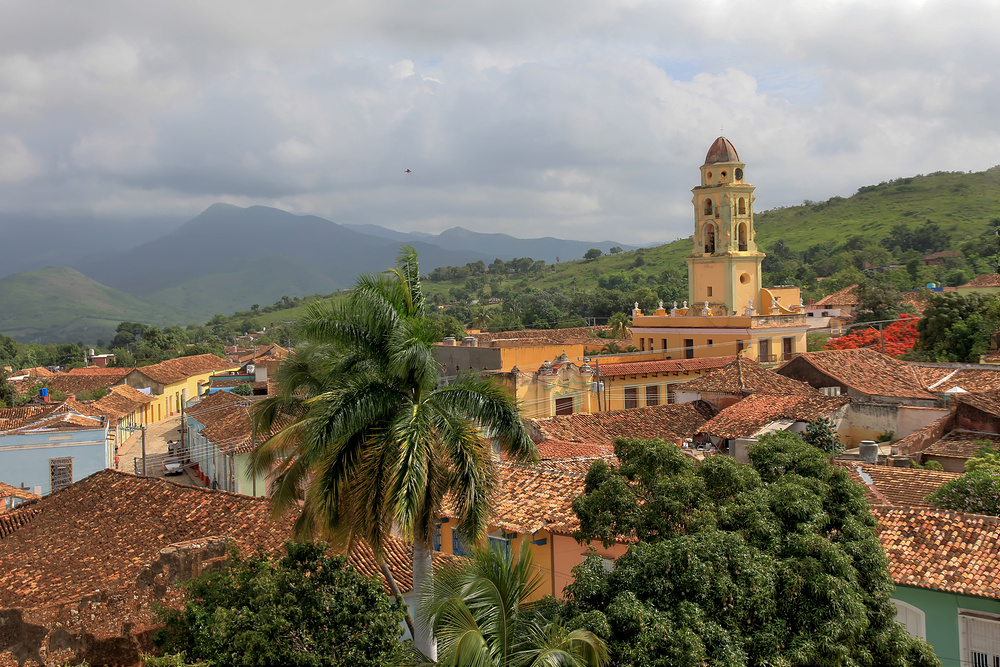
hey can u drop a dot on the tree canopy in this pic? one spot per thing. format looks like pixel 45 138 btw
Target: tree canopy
pixel 772 563
pixel 305 609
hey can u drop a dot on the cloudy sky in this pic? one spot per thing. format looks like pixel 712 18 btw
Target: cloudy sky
pixel 581 119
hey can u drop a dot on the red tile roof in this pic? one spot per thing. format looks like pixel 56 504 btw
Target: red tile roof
pixel 902 487
pixel 531 498
pixel 943 551
pixel 753 413
pixel 98 370
pixel 100 532
pixel 8 491
pixel 985 401
pixel 663 366
pixel 865 370
pixel 552 336
pixel 939 379
pixel 176 370
pixel 984 280
pixel 681 420
pixel 745 376
pixel 78 384
pixel 961 444
pixel 13 418
pixel 845 297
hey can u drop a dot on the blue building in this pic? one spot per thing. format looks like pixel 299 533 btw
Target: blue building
pixel 46 448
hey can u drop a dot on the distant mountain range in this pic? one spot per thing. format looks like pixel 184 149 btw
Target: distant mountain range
pixel 225 259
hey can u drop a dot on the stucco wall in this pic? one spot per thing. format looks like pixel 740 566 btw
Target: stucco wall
pixel 941 614
pixel 25 458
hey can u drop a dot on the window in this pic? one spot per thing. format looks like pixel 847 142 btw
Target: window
pixel 710 342
pixel 764 351
pixel 642 344
pixel 671 397
pixel 787 348
pixel 739 346
pixel 689 348
pixel 709 290
pixel 631 397
pixel 709 238
pixel 60 473
pixel 437 537
pixel 741 206
pixel 652 395
pixel 663 343
pixel 980 640
pixel 564 406
pixel 912 617
pixel 708 207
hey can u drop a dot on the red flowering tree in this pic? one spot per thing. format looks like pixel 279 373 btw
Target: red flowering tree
pixel 899 337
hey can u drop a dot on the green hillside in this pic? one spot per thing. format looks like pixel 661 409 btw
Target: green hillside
pixel 58 303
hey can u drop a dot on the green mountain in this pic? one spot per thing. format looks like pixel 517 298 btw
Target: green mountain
pixel 58 303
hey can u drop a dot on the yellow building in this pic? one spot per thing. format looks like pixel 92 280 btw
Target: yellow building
pixel 175 381
pixel 728 312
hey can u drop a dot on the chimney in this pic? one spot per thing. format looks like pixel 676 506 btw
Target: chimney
pixel 470 341
pixel 449 341
pixel 70 397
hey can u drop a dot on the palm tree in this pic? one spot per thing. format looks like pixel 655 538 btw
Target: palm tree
pixel 368 443
pixel 618 324
pixel 481 616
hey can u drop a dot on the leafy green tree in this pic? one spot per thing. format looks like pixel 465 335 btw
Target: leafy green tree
pixel 821 433
pixel 243 389
pixel 956 327
pixel 772 563
pixel 615 250
pixel 481 616
pixel 878 299
pixel 375 443
pixel 986 458
pixel 305 609
pixel 593 253
pixel 976 492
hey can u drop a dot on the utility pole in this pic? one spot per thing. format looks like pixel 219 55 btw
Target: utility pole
pixel 143 451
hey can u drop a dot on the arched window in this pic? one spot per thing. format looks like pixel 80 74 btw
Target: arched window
pixel 708 207
pixel 742 206
pixel 743 235
pixel 710 238
pixel 912 617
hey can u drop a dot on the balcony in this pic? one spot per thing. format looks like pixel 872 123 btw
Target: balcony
pixel 767 358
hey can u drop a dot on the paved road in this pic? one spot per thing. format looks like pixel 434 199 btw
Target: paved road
pixel 157 436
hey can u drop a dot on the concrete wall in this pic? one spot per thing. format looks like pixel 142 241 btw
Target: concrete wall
pixel 24 458
pixel 941 612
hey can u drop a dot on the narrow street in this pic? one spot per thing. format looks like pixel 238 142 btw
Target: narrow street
pixel 157 437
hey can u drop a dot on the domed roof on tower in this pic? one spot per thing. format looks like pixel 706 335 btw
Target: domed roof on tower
pixel 721 151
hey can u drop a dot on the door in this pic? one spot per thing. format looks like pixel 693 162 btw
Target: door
pixel 981 641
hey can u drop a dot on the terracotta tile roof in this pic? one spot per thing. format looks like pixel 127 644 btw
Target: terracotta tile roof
pixel 845 297
pixel 60 421
pixel 77 384
pixel 939 379
pixel 175 370
pixel 961 444
pixel 984 280
pixel 531 498
pixel 901 487
pixel 914 299
pixel 226 421
pixel 101 531
pixel 663 366
pixel 745 376
pixel 13 418
pixel 97 370
pixel 553 336
pixel 272 351
pixel 865 370
pixel 8 491
pixel 681 420
pixel 944 551
pixel 985 401
pixel 16 518
pixel 753 413
pixel 35 372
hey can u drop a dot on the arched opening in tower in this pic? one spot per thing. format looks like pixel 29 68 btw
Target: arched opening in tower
pixel 709 238
pixel 743 235
pixel 708 207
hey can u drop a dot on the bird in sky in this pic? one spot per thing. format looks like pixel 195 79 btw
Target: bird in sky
pixel 407 172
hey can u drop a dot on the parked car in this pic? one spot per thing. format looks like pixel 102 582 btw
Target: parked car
pixel 173 465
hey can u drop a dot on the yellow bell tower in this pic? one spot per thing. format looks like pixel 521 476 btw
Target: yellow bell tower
pixel 724 266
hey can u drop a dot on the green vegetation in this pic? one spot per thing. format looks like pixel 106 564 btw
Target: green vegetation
pixel 772 563
pixel 374 441
pixel 822 434
pixel 956 327
pixel 481 616
pixel 976 492
pixel 305 609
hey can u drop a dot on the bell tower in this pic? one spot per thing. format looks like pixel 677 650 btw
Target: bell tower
pixel 724 265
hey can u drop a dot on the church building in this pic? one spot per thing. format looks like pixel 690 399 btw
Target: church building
pixel 728 311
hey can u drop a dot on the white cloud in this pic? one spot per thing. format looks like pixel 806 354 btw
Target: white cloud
pixel 586 118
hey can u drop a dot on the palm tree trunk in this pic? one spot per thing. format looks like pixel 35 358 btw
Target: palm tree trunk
pixel 423 574
pixel 396 593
